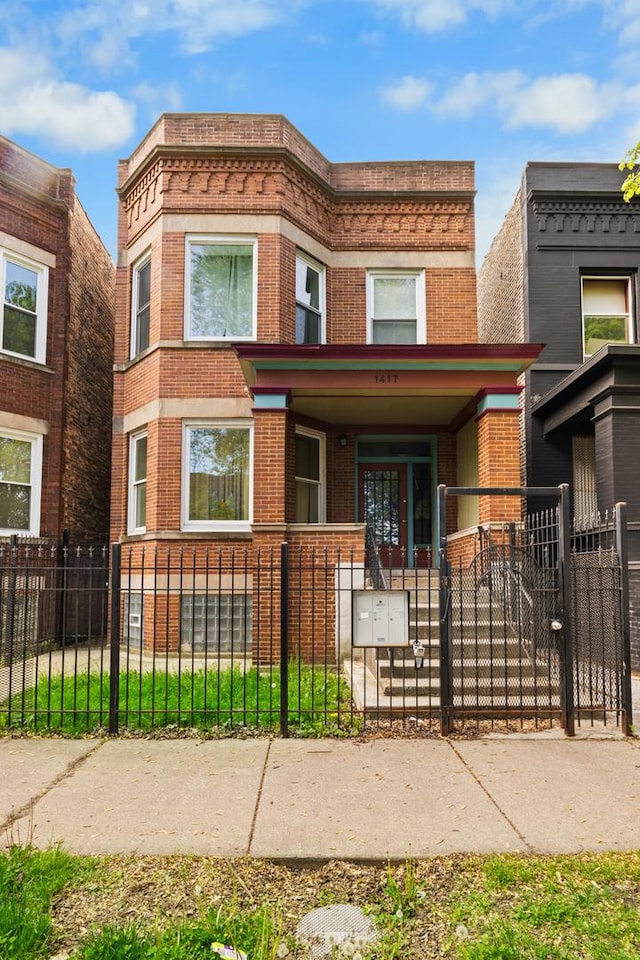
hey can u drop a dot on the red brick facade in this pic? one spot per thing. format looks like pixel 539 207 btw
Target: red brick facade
pixel 354 397
pixel 57 393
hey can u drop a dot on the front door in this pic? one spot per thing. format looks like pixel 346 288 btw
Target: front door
pixel 383 499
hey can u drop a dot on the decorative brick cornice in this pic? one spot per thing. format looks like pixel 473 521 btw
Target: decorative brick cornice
pixel 577 215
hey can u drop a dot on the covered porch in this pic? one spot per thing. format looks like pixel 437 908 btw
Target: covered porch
pixel 363 435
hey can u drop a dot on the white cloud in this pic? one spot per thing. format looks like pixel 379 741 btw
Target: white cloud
pixel 69 116
pixel 161 99
pixel 407 94
pixel 434 16
pixel 568 103
pixel 105 27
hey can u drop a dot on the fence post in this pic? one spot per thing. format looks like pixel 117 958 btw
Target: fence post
pixel 566 634
pixel 114 668
pixel 446 699
pixel 284 639
pixel 622 546
pixel 63 574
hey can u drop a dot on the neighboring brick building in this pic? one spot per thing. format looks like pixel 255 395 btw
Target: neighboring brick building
pixel 296 345
pixel 56 355
pixel 564 271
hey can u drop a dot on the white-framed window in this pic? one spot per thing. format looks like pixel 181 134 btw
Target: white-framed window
pixel 396 307
pixel 137 483
pixel 24 314
pixel 310 300
pixel 133 627
pixel 140 306
pixel 310 476
pixel 607 312
pixel 220 288
pixel 20 482
pixel 216 475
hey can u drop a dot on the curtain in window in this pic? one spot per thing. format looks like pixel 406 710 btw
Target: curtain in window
pixel 221 290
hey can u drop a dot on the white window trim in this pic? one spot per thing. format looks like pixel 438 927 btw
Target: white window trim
pixel 216 240
pixel 322 273
pixel 135 278
pixel 131 505
pixel 322 485
pixel 42 303
pixel 239 526
pixel 35 482
pixel 630 313
pixel 421 313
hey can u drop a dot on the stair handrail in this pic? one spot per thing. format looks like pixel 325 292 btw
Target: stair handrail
pixel 373 562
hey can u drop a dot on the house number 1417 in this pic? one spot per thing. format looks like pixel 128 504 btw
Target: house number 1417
pixel 386 378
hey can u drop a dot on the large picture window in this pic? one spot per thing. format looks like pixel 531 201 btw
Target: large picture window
pixel 607 316
pixel 141 307
pixel 24 313
pixel 220 289
pixel 395 307
pixel 20 473
pixel 217 472
pixel 309 300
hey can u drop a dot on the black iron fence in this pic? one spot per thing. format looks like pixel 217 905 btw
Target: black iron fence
pixel 216 638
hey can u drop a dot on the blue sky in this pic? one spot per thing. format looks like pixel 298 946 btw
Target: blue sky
pixel 500 82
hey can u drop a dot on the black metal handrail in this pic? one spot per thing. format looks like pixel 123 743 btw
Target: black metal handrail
pixel 373 562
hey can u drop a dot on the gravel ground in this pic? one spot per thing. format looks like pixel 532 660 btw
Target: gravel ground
pixel 154 891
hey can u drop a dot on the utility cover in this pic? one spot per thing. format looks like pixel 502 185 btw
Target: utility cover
pixel 337 929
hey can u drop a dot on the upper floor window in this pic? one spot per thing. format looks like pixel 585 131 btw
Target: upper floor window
pixel 220 289
pixel 20 479
pixel 396 307
pixel 607 315
pixel 137 483
pixel 309 476
pixel 24 315
pixel 217 475
pixel 141 307
pixel 309 300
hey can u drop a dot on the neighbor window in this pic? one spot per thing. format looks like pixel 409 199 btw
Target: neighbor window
pixel 138 483
pixel 396 312
pixel 216 475
pixel 24 315
pixel 20 473
pixel 141 307
pixel 220 289
pixel 606 312
pixel 309 300
pixel 309 477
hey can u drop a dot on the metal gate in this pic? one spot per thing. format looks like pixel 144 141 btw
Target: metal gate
pixel 536 626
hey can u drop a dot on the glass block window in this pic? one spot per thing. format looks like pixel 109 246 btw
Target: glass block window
pixel 216 623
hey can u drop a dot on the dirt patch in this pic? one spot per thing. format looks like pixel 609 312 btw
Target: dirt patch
pixel 157 891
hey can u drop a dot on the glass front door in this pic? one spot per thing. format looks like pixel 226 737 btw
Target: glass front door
pixel 383 495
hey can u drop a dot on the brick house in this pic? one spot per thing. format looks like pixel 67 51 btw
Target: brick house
pixel 563 270
pixel 296 350
pixel 55 355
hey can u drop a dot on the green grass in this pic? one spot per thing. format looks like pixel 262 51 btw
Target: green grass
pixel 28 881
pixel 562 908
pixel 319 701
pixel 466 908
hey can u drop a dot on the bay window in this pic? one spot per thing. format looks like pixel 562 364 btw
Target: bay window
pixel 310 447
pixel 217 475
pixel 309 300
pixel 220 288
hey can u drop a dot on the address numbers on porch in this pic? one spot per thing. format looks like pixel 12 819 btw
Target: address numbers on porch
pixel 386 377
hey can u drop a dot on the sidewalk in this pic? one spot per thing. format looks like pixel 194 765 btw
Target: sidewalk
pixel 322 799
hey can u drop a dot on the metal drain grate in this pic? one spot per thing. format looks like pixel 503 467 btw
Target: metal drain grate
pixel 340 927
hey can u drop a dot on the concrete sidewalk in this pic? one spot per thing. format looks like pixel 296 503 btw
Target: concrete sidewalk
pixel 322 799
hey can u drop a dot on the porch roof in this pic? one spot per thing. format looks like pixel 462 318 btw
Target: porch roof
pixel 385 385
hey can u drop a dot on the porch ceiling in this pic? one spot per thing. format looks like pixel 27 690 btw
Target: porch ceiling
pixel 384 385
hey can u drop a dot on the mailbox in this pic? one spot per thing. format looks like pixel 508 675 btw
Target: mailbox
pixel 381 618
